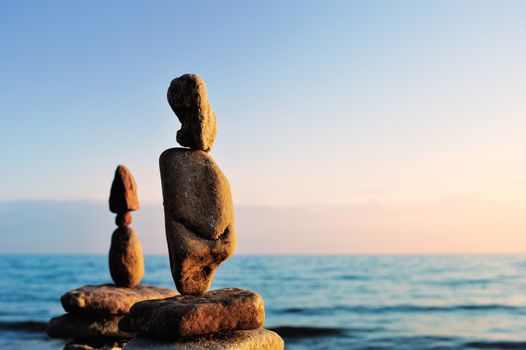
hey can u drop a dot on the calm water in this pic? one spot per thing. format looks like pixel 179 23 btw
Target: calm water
pixel 369 302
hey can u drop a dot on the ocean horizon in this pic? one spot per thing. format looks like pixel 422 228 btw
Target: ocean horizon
pixel 312 301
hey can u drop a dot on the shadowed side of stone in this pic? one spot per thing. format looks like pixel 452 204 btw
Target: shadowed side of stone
pixel 220 310
pixel 74 326
pixel 257 339
pixel 109 299
pixel 189 100
pixel 126 261
pixel 123 193
pixel 194 260
pixel 199 217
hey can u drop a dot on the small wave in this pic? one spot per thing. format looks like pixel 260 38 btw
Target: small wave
pixel 294 310
pixel 353 278
pixel 404 309
pixel 414 342
pixel 24 326
pixel 490 307
pixel 465 282
pixel 307 332
pixel 495 345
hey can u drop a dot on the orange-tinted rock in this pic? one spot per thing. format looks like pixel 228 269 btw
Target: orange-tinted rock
pixel 125 258
pixel 74 326
pixel 199 217
pixel 123 193
pixel 219 310
pixel 256 339
pixel 189 100
pixel 101 343
pixel 125 219
pixel 109 299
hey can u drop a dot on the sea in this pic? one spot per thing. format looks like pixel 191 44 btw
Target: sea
pixel 313 302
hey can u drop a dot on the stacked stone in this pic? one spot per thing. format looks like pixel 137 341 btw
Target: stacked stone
pixel 125 259
pixel 94 311
pixel 200 231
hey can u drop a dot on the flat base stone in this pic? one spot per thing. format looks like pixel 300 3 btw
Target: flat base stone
pixel 95 344
pixel 257 339
pixel 109 299
pixel 89 347
pixel 220 310
pixel 75 326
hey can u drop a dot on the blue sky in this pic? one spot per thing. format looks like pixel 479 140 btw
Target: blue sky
pixel 407 104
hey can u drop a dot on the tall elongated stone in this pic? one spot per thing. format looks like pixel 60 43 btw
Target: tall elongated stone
pixel 189 100
pixel 196 192
pixel 199 217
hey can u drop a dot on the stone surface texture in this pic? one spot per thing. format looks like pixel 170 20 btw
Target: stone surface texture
pixel 75 326
pixel 123 193
pixel 199 217
pixel 109 299
pixel 189 100
pixel 257 339
pixel 125 258
pixel 220 310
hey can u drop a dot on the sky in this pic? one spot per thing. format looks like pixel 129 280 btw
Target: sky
pixel 346 126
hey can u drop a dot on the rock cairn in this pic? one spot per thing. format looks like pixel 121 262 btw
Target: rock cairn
pixel 200 232
pixel 94 311
pixel 125 258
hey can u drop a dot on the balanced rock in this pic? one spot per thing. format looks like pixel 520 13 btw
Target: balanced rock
pixel 77 326
pixel 123 193
pixel 108 299
pixel 125 258
pixel 189 100
pixel 196 192
pixel 199 217
pixel 219 310
pixel 257 339
pixel 125 219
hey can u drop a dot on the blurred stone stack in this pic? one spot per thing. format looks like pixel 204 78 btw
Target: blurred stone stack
pixel 200 231
pixel 94 311
pixel 125 258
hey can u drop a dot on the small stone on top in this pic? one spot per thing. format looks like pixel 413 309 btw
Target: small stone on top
pixel 123 193
pixel 189 100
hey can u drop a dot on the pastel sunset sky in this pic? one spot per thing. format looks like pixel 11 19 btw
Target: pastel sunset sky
pixel 344 126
